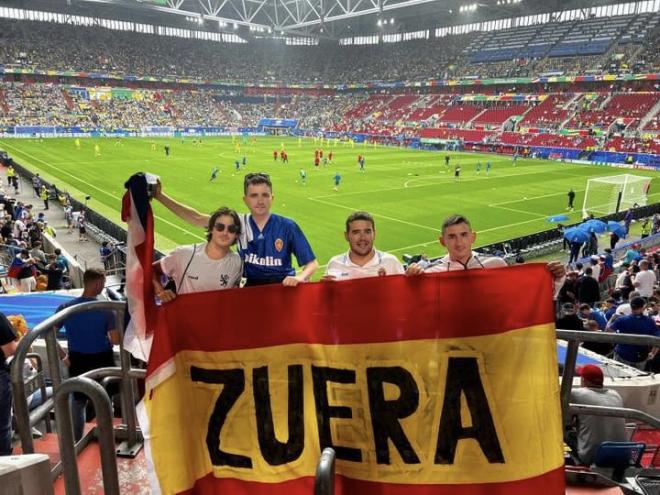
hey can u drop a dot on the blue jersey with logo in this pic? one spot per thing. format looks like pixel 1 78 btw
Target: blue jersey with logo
pixel 267 253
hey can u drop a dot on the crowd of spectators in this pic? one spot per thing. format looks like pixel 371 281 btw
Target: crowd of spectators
pixel 46 46
pixel 22 227
pixel 39 104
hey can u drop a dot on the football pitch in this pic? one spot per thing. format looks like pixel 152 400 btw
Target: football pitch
pixel 408 192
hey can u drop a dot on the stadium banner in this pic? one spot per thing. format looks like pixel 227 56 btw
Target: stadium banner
pixel 466 81
pixel 442 384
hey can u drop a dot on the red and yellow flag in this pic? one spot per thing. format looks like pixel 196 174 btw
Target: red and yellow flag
pixel 439 384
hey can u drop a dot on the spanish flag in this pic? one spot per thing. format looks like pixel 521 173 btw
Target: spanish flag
pixel 443 384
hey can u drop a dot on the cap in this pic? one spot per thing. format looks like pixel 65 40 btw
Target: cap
pixel 591 373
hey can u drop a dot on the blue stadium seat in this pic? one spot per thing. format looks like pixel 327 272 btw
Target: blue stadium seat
pixel 619 456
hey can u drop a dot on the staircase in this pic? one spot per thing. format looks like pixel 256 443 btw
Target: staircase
pixel 649 116
pixel 67 99
pixel 3 103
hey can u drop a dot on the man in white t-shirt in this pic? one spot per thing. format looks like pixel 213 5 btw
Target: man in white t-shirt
pixel 644 280
pixel 458 237
pixel 362 259
pixel 203 267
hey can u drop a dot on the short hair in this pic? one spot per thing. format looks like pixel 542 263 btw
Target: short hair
pixel 585 306
pixel 92 275
pixel 253 179
pixel 57 251
pixel 454 220
pixel 359 215
pixel 220 212
pixel 588 271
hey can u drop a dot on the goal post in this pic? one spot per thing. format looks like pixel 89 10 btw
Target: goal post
pixel 605 195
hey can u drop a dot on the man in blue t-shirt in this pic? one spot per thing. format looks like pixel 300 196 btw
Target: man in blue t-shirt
pixel 267 240
pixel 8 343
pixel 90 337
pixel 636 323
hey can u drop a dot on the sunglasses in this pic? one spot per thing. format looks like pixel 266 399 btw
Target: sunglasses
pixel 232 229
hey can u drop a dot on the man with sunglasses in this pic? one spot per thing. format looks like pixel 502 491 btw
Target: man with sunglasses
pixel 204 267
pixel 266 241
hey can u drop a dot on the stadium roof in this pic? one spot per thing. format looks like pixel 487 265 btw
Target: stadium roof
pixel 320 18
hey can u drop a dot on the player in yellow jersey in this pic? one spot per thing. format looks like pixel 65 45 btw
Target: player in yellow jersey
pixel 97 150
pixel 77 141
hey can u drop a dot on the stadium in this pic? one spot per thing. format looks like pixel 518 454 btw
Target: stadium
pixel 321 160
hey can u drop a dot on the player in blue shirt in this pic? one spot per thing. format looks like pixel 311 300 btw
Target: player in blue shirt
pixel 488 165
pixel 214 174
pixel 267 240
pixel 337 180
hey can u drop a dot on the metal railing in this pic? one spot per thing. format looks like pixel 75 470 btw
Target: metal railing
pixel 324 483
pixel 574 337
pixel 127 376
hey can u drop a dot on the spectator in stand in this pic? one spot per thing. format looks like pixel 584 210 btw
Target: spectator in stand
pixel 636 323
pixel 204 267
pixel 592 430
pixel 645 280
pixel 362 259
pixel 22 272
pixel 587 287
pixel 105 253
pixel 569 320
pixel 8 344
pixel 90 337
pixel 54 273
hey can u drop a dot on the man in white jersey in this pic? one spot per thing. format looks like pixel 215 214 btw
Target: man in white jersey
pixel 204 267
pixel 362 259
pixel 458 237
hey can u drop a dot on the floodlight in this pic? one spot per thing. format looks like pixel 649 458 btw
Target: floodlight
pixel 392 20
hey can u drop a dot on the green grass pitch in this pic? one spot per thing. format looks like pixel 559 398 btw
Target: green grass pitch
pixel 408 192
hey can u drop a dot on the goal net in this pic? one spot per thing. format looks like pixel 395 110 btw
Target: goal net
pixel 605 195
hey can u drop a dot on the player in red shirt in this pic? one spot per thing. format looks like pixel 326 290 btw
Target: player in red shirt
pixel 275 155
pixel 317 160
pixel 330 157
pixel 321 154
pixel 359 158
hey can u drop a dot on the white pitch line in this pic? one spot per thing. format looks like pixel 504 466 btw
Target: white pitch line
pixel 533 197
pixel 329 203
pixel 515 210
pixel 97 188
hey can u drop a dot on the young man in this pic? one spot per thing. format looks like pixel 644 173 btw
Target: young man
pixel 458 237
pixel 267 240
pixel 214 172
pixel 204 267
pixel 90 338
pixel 457 172
pixel 362 259
pixel 303 177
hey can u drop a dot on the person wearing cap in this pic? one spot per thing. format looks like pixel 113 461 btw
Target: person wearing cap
pixel 636 323
pixel 594 430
